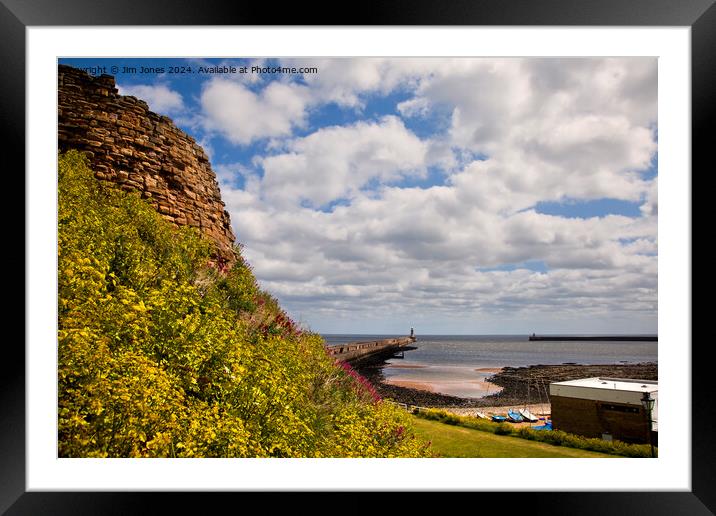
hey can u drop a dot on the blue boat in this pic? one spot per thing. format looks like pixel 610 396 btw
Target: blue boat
pixel 514 416
pixel 499 419
pixel 546 426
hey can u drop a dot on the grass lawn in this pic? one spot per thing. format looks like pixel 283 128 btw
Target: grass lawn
pixel 455 441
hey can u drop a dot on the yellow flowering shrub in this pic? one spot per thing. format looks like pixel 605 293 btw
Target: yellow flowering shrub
pixel 161 353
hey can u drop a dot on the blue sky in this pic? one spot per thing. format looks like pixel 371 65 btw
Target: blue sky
pixel 467 195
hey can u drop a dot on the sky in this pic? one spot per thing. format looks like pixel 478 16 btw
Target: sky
pixel 454 196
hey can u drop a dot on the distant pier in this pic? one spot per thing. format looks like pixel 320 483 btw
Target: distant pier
pixel 610 338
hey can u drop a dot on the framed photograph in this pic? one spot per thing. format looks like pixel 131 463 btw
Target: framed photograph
pixel 477 182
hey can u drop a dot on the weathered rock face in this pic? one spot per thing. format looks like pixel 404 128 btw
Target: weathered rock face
pixel 136 149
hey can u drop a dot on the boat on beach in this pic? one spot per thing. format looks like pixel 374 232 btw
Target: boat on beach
pixel 499 419
pixel 481 415
pixel 527 415
pixel 514 416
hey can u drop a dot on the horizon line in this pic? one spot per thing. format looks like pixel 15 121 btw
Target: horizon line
pixel 504 334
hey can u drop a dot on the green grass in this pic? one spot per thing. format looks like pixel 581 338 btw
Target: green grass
pixel 455 441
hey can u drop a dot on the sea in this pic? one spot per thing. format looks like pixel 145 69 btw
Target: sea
pixel 458 364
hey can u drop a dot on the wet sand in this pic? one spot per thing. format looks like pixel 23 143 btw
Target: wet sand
pixel 446 386
pixel 486 386
pixel 412 385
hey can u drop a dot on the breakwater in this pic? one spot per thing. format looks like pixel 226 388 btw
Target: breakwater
pixel 609 338
pixel 354 351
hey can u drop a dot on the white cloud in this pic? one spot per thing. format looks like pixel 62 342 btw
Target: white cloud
pixel 242 116
pixel 159 97
pixel 345 80
pixel 414 107
pixel 521 131
pixel 336 162
pixel 586 124
pixel 426 251
pixel 651 206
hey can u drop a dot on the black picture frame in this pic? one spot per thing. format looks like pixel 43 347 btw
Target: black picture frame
pixel 16 15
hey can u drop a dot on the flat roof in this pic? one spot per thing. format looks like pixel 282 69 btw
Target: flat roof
pixel 615 384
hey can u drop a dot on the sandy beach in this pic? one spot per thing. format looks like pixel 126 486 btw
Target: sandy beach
pixel 412 385
pixel 541 410
pixel 444 386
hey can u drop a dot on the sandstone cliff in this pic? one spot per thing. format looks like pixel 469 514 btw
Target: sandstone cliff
pixel 137 149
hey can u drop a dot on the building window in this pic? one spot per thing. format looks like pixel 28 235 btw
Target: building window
pixel 621 408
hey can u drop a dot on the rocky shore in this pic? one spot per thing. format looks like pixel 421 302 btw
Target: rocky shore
pixel 519 384
pixel 531 384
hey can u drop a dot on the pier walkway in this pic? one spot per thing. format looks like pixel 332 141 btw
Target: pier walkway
pixel 358 350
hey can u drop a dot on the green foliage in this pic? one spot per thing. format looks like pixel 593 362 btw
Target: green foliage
pixel 503 429
pixel 554 437
pixel 162 353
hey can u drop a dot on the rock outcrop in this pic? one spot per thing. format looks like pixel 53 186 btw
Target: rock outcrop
pixel 137 149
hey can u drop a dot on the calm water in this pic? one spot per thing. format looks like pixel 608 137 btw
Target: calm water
pixel 452 364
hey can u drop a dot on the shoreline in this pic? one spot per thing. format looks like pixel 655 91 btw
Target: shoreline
pixel 520 385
